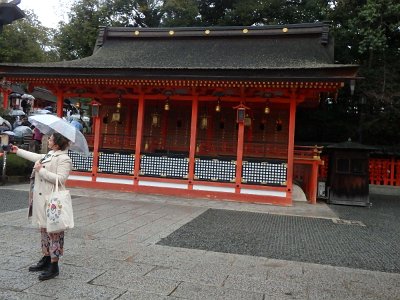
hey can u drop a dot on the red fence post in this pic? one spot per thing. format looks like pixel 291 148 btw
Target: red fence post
pixel 392 172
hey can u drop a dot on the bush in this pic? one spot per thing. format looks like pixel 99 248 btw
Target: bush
pixel 17 166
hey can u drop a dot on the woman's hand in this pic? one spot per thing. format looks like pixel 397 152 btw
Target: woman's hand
pixel 14 149
pixel 37 166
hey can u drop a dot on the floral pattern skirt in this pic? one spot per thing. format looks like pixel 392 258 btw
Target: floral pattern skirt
pixel 52 243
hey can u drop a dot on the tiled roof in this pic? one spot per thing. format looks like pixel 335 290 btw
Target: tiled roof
pixel 220 51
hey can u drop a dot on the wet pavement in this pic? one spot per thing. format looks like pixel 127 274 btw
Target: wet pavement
pixel 115 251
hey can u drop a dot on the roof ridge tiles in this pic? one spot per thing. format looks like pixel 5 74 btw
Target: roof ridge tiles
pixel 320 28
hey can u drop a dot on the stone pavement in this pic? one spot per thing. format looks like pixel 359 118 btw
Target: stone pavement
pixel 112 254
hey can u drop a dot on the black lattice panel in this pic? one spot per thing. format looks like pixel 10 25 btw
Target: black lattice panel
pixel 164 166
pixel 81 163
pixel 215 170
pixel 116 163
pixel 268 173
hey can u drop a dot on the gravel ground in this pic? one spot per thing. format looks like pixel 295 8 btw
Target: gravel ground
pixel 13 200
pixel 374 246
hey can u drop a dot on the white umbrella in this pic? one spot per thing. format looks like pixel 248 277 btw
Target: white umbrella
pixel 4 121
pixel 22 130
pixel 8 132
pixel 28 97
pixel 42 111
pixel 17 112
pixel 49 124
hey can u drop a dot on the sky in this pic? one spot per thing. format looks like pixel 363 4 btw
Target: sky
pixel 49 12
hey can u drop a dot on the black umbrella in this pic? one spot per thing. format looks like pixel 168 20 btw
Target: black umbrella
pixel 14 95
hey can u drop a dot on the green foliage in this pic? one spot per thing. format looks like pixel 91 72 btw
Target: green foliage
pixel 367 33
pixel 179 13
pixel 76 38
pixel 257 12
pixel 377 24
pixel 17 166
pixel 3 111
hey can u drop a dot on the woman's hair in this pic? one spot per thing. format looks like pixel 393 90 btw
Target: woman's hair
pixel 61 141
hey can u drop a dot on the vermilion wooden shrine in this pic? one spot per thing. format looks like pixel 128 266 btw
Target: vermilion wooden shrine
pixel 197 112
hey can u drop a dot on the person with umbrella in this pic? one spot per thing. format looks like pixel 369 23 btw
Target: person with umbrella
pixel 26 103
pixel 4 125
pixel 47 168
pixel 37 138
pixel 77 124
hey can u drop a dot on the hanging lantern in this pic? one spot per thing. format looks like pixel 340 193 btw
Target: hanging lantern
pixel 204 122
pixel 95 108
pixel 240 114
pixel 155 120
pixel 278 125
pixel 218 107
pixel 247 121
pixel 267 110
pixel 166 105
pixel 116 117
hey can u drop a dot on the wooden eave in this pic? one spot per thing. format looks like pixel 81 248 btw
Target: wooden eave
pixel 331 73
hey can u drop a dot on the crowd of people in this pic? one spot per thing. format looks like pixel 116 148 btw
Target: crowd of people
pixel 23 133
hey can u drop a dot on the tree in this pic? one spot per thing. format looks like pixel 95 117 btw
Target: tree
pixel 180 13
pixel 76 38
pixel 137 13
pixel 367 33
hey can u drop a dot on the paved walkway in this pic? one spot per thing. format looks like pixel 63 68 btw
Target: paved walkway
pixel 112 254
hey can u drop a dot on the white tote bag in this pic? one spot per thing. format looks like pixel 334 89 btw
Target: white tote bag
pixel 59 211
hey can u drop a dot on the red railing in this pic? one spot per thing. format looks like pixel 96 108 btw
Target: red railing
pixel 382 171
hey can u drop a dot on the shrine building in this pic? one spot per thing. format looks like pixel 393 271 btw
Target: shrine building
pixel 196 112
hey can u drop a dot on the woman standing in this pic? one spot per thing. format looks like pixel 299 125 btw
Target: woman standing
pixel 47 168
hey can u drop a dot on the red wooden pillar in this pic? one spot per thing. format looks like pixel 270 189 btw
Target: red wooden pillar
pixel 313 182
pixel 139 134
pixel 209 145
pixel 60 103
pixel 239 157
pixel 392 181
pixel 164 129
pixel 290 165
pixel 193 134
pixel 6 93
pixel 96 146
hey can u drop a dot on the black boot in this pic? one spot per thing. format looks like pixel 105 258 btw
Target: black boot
pixel 42 265
pixel 51 272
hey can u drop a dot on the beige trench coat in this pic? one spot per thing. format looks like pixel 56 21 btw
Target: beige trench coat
pixel 55 163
